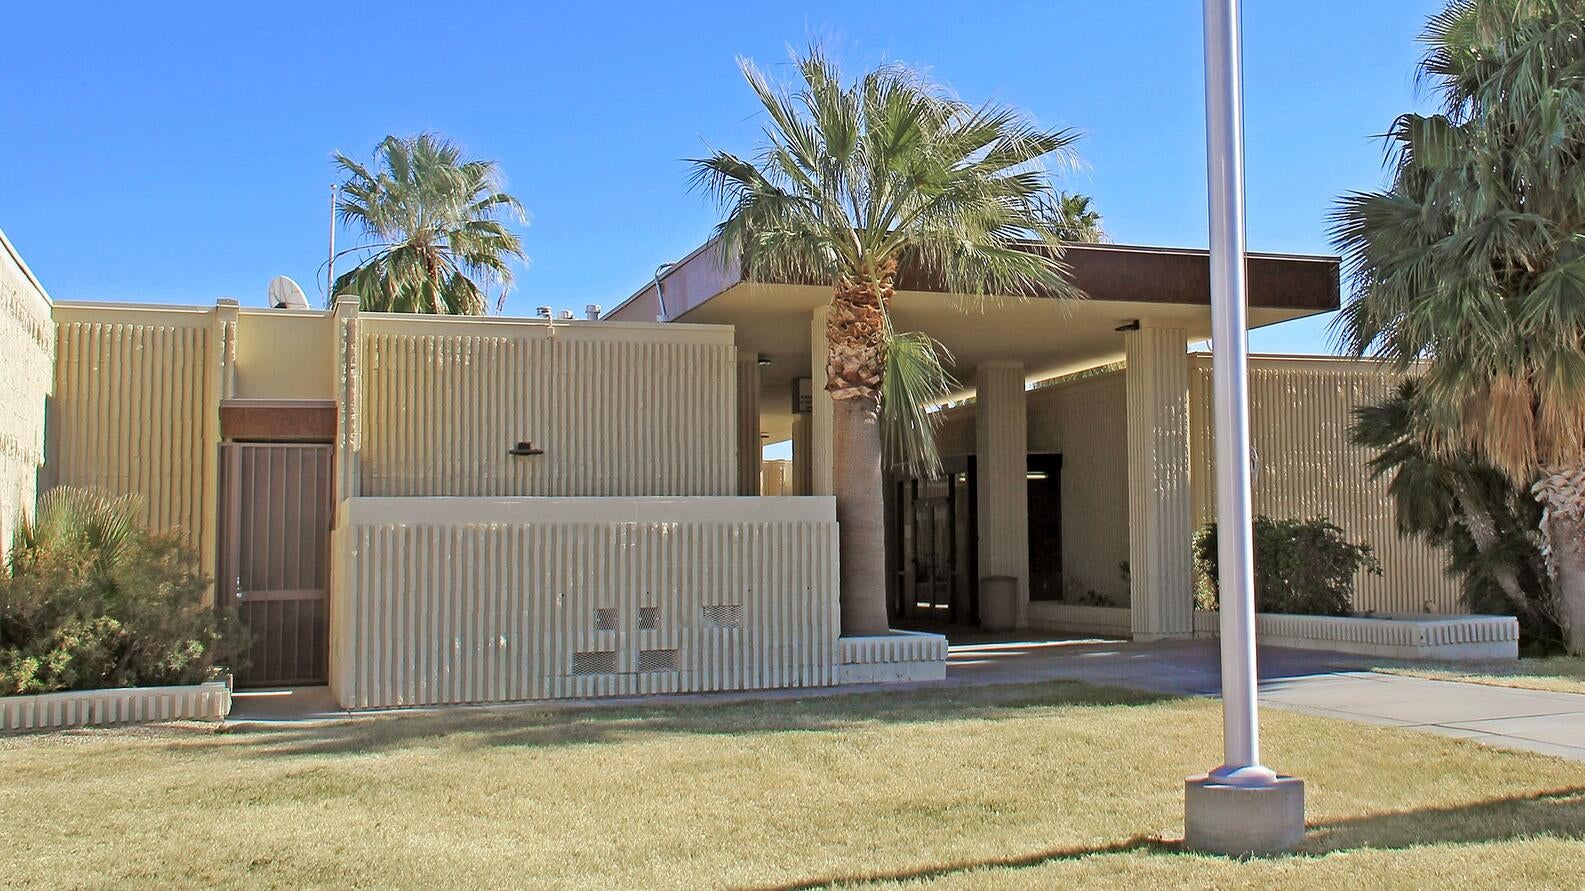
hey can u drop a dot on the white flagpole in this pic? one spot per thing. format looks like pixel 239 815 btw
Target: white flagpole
pixel 1224 103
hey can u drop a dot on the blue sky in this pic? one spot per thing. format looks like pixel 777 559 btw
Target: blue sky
pixel 183 154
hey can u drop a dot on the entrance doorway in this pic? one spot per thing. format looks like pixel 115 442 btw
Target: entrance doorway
pixel 274 561
pixel 934 544
pixel 933 538
pixel 1044 480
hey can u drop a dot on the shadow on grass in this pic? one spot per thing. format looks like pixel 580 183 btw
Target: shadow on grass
pixel 528 726
pixel 947 870
pixel 1558 813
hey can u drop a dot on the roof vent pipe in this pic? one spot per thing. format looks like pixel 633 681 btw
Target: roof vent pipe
pixel 544 312
pixel 660 291
pixel 566 315
pixel 592 312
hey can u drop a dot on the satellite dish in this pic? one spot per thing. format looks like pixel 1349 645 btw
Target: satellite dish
pixel 285 294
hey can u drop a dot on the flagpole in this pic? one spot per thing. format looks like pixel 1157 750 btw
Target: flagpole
pixel 1241 806
pixel 1224 136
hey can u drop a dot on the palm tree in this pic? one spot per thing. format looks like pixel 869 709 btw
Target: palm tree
pixel 435 241
pixel 851 181
pixel 1474 259
pixel 1076 220
pixel 1458 503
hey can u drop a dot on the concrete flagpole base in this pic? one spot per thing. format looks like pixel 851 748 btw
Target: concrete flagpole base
pixel 1239 821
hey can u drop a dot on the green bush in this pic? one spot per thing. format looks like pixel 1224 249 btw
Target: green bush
pixel 1301 567
pixel 90 599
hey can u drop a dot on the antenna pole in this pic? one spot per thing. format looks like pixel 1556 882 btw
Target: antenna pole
pixel 330 267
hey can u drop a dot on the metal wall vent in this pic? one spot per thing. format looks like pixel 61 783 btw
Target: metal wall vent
pixel 605 619
pixel 648 618
pixel 721 615
pixel 594 662
pixel 657 660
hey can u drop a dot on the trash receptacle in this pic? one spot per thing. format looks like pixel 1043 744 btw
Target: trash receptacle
pixel 998 603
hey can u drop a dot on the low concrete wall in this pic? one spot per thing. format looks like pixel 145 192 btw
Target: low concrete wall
pixel 1410 636
pixel 892 657
pixel 1052 615
pixel 131 705
pixel 465 600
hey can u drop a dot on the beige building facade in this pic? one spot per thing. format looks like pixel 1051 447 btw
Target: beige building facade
pixel 1078 448
pixel 434 510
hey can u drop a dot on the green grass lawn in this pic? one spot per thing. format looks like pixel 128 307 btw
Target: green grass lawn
pixel 1039 786
pixel 1558 674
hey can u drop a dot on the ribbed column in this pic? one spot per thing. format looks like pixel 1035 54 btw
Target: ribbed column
pixel 820 419
pixel 348 409
pixel 1161 580
pixel 802 432
pixel 748 442
pixel 220 383
pixel 1001 448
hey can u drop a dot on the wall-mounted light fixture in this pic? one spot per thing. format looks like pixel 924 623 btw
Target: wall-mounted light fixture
pixel 524 449
pixel 1132 325
pixel 764 361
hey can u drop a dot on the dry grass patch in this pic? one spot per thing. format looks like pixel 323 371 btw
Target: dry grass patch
pixel 1554 674
pixel 1036 786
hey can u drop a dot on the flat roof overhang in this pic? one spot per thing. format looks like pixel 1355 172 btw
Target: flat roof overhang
pixel 1122 284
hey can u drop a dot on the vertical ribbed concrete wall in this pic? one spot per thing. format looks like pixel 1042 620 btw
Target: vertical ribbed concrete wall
pixel 1086 421
pixel 1301 411
pixel 749 447
pixel 1001 450
pixel 1161 582
pixel 455 600
pixel 135 409
pixel 27 345
pixel 617 409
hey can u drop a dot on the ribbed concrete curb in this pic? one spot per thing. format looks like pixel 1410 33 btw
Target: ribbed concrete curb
pixel 210 701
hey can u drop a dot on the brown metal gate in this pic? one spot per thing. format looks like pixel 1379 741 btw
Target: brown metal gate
pixel 275 556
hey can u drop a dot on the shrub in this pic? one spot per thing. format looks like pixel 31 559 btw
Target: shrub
pixel 90 599
pixel 1301 567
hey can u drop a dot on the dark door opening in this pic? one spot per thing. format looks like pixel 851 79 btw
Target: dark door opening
pixel 933 540
pixel 1044 479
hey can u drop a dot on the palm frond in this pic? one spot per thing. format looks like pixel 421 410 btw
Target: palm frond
pixel 916 382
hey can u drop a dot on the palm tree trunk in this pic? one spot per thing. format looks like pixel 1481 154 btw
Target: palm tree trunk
pixel 856 481
pixel 1562 493
pixel 855 335
pixel 1484 532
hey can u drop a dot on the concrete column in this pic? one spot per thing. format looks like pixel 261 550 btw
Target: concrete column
pixel 820 417
pixel 1001 449
pixel 748 442
pixel 802 432
pixel 1160 525
pixel 349 426
pixel 220 381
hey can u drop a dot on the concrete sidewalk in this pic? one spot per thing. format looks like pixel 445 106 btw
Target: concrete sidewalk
pixel 1329 684
pixel 1321 683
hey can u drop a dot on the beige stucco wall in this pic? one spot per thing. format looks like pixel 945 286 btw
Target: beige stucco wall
pixel 1301 411
pixel 27 343
pixel 619 409
pixel 285 354
pixel 1086 421
pixel 135 409
pixel 453 600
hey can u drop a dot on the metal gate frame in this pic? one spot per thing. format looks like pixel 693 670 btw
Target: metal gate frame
pixel 274 560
